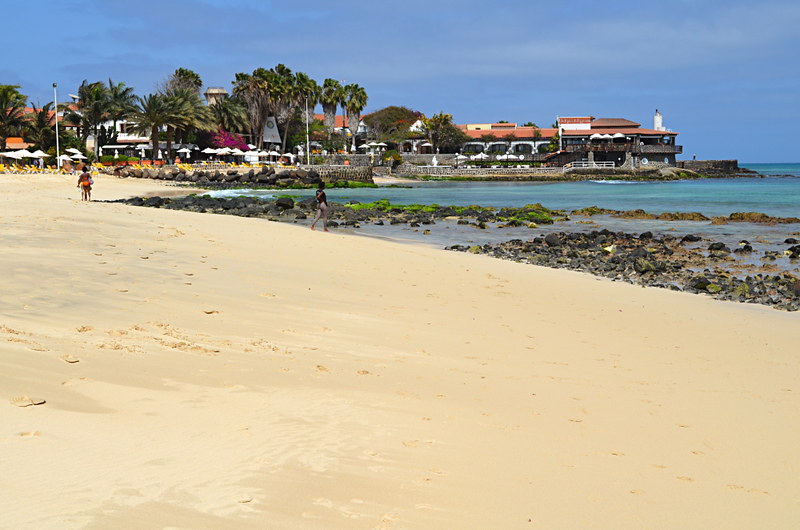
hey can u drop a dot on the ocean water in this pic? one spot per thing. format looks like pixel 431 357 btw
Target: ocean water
pixel 773 194
pixel 776 192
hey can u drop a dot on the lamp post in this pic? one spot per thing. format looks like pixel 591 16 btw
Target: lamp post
pixel 55 105
pixel 308 145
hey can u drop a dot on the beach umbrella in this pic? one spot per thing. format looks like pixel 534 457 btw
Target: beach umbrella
pixel 209 151
pixel 364 146
pixel 236 151
pixel 24 153
pixel 65 158
pixel 224 151
pixel 13 154
pixel 78 156
pixel 184 150
pixel 618 135
pixel 381 144
pixel 72 150
pixel 595 136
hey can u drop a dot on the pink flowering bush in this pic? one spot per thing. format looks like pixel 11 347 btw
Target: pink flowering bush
pixel 223 138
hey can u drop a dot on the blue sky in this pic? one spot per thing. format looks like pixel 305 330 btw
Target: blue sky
pixel 725 74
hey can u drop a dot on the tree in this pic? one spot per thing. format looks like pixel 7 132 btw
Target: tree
pixel 183 79
pixel 230 114
pixel 435 125
pixel 39 127
pixel 12 113
pixel 355 101
pixel 331 96
pixel 451 139
pixel 185 112
pixel 150 115
pixel 392 123
pixel 92 107
pixel 252 90
pixel 121 102
pixel 529 124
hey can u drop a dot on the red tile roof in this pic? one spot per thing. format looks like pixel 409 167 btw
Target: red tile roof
pixel 630 131
pixel 613 122
pixel 519 132
pixel 339 120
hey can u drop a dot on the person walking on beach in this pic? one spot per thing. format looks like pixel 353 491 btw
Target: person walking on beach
pixel 322 207
pixel 85 184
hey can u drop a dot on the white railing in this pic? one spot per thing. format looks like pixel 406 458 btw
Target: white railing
pixel 592 165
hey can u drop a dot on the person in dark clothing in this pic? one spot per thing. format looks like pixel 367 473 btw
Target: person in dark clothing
pixel 322 207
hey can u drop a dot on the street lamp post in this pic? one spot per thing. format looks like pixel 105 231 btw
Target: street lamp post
pixel 55 106
pixel 308 145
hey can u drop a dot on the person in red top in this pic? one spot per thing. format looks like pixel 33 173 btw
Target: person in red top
pixel 85 184
pixel 322 207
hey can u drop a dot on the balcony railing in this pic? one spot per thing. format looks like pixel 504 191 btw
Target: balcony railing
pixel 626 147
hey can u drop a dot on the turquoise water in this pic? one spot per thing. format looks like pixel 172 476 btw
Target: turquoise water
pixel 774 195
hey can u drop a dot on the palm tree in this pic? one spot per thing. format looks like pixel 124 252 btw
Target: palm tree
pixel 186 112
pixel 355 101
pixel 121 102
pixel 252 90
pixel 283 92
pixel 183 79
pixel 308 91
pixel 230 114
pixel 12 113
pixel 436 125
pixel 39 127
pixel 92 109
pixel 331 96
pixel 151 114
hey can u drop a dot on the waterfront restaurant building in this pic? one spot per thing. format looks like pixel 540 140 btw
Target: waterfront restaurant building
pixel 616 140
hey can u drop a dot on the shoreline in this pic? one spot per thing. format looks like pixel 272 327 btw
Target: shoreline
pixel 743 270
pixel 221 371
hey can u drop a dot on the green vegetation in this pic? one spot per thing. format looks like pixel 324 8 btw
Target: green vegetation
pixel 120 158
pixel 384 205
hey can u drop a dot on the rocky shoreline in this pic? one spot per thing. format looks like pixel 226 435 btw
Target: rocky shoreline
pixel 684 263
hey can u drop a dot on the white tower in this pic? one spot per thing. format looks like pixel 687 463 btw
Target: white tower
pixel 658 122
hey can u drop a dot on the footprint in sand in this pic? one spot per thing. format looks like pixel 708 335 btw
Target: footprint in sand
pixel 210 312
pixel 29 434
pixel 363 372
pixel 321 368
pixel 685 479
pixel 68 358
pixel 84 329
pixel 25 401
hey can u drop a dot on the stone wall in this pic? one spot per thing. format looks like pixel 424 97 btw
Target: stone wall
pixel 703 165
pixel 334 173
pixel 410 170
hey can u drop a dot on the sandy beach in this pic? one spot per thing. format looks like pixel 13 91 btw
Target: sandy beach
pixel 167 369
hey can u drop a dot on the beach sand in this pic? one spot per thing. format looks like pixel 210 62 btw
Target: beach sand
pixel 206 371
